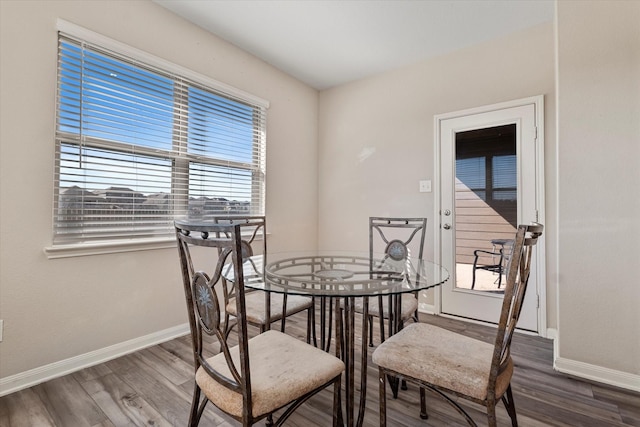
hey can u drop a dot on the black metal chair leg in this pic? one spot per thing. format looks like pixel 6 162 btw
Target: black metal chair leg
pixel 509 404
pixel 423 404
pixel 310 322
pixel 473 276
pixel 313 330
pixel 197 407
pixel 394 383
pixel 383 398
pixel 193 416
pixel 338 421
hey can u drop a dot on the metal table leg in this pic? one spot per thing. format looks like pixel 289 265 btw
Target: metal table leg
pixel 345 349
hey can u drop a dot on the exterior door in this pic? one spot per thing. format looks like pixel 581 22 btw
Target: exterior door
pixel 489 183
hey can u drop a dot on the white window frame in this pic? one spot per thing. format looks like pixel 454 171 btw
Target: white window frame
pixel 102 246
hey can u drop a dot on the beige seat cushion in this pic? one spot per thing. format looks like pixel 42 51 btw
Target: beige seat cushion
pixel 255 306
pixel 442 358
pixel 409 306
pixel 282 370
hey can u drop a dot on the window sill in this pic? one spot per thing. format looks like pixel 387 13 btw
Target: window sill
pixel 87 249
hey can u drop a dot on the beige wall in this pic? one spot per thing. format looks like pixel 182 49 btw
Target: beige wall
pixel 56 309
pixel 377 134
pixel 599 208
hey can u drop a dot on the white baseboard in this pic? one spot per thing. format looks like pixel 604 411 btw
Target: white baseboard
pixel 587 371
pixel 580 369
pixel 597 373
pixel 426 308
pixel 44 373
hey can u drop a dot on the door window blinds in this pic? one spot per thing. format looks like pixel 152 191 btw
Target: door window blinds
pixel 138 146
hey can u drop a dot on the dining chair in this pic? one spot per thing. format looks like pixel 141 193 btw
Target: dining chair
pixel 280 306
pixel 449 363
pixel 247 378
pixel 393 238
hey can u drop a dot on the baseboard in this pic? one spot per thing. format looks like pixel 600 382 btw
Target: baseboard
pixel 44 373
pixel 426 308
pixel 591 372
pixel 597 373
pixel 579 369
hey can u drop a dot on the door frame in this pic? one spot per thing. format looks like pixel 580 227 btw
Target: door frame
pixel 538 102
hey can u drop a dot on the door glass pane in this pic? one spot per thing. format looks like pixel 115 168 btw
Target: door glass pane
pixel 486 198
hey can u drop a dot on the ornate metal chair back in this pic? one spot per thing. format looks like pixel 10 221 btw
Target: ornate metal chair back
pixel 204 291
pixel 518 271
pixel 398 241
pixel 253 226
pixel 398 237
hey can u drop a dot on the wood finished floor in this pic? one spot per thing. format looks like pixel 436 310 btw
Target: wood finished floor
pixel 153 387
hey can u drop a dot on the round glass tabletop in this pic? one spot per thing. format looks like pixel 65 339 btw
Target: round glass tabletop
pixel 333 273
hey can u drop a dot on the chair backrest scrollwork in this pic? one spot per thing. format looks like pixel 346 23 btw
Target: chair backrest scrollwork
pixel 397 238
pixel 518 272
pixel 204 291
pixel 251 231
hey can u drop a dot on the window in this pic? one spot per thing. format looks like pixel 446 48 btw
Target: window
pixel 504 177
pixel 138 145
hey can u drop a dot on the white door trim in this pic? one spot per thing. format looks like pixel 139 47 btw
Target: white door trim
pixel 538 102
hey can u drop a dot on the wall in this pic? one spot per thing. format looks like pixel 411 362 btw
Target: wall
pixel 599 201
pixel 377 134
pixel 54 310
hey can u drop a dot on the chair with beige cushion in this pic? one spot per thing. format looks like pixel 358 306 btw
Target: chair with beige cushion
pixel 247 378
pixel 452 364
pixel 394 239
pixel 280 306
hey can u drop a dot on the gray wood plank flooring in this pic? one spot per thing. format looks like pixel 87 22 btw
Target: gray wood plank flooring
pixel 153 387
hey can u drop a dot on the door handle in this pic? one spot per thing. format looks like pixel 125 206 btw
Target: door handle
pixel 447 226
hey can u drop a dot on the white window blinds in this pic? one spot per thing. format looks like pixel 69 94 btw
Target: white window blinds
pixel 138 146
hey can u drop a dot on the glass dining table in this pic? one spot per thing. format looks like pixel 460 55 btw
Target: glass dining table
pixel 334 280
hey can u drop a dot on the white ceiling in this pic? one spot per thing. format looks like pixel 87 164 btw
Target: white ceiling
pixel 325 43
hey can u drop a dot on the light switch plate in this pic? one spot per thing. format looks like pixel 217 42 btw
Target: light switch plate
pixel 425 186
